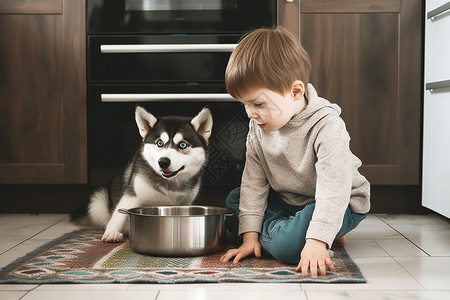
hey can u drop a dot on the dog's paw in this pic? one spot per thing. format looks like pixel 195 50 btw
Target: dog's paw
pixel 112 237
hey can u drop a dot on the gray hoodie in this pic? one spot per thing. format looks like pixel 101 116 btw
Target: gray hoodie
pixel 307 160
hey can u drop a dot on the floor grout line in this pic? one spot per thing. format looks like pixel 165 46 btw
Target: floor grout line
pixel 29 291
pixel 30 237
pixel 409 273
pixel 398 263
pixel 385 251
pixel 404 236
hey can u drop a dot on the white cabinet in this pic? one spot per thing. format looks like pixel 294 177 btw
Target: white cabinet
pixel 436 131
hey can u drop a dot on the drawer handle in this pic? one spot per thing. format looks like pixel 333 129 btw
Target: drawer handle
pixel 438 10
pixel 167 48
pixel 216 97
pixel 438 85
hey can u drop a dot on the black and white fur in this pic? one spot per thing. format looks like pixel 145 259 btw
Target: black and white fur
pixel 166 170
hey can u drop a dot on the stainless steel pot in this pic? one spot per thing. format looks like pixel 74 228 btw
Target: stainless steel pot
pixel 177 230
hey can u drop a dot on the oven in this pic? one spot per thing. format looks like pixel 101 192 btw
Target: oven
pixel 170 57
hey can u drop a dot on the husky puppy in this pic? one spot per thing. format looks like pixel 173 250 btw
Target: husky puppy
pixel 166 170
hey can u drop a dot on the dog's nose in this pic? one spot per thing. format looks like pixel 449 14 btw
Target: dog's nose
pixel 164 162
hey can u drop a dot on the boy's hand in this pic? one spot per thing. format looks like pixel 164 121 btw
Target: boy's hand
pixel 314 255
pixel 249 246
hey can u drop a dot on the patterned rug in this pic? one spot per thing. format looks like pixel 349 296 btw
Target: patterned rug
pixel 80 257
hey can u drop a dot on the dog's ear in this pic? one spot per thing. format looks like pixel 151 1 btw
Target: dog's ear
pixel 203 123
pixel 144 120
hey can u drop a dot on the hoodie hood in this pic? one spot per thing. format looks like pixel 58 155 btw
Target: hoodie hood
pixel 317 105
pixel 316 109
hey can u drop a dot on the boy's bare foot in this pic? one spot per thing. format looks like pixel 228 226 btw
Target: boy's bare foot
pixel 340 242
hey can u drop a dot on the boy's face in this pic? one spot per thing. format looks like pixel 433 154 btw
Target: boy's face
pixel 269 109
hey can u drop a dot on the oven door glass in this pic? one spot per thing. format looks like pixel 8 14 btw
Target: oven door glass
pixel 179 17
pixel 159 58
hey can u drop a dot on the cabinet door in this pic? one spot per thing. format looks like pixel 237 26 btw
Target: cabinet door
pixel 42 91
pixel 366 57
pixel 436 119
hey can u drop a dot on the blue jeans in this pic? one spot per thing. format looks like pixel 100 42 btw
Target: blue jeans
pixel 283 233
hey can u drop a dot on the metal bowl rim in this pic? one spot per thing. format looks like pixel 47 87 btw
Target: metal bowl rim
pixel 217 211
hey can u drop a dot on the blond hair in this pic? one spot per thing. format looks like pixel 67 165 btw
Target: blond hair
pixel 270 58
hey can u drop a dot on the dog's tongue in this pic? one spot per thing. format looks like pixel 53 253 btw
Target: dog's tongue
pixel 167 173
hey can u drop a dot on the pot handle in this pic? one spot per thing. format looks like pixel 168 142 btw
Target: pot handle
pixel 229 212
pixel 124 211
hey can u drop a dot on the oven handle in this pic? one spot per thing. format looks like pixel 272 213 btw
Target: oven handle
pixel 144 48
pixel 216 97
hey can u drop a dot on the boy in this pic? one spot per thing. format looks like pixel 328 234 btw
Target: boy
pixel 300 189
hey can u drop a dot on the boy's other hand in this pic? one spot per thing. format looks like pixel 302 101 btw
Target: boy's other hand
pixel 249 246
pixel 314 255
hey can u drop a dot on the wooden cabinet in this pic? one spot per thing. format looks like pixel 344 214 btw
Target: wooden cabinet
pixel 42 91
pixel 367 57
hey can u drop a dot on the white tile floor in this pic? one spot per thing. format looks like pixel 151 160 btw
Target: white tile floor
pixel 402 257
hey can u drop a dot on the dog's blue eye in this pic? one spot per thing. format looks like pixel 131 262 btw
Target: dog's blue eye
pixel 182 145
pixel 159 143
